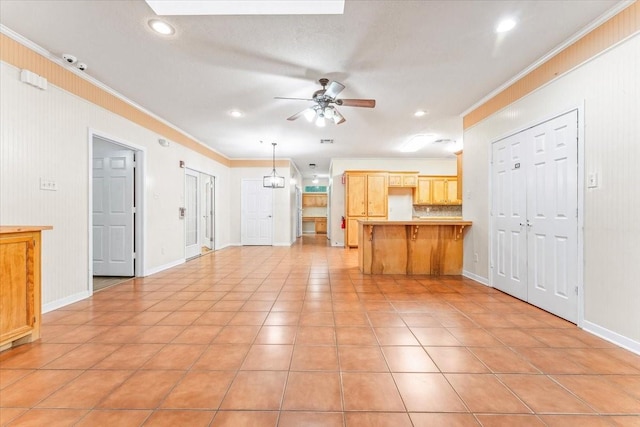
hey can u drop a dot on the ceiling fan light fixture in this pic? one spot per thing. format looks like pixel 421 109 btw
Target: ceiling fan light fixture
pixel 328 113
pixel 309 114
pixel 320 121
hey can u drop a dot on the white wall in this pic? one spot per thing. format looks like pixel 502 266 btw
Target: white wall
pixel 45 134
pixel 338 166
pixel 609 87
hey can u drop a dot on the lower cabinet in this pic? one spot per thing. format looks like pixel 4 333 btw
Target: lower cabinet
pixel 351 240
pixel 19 285
pixel 321 226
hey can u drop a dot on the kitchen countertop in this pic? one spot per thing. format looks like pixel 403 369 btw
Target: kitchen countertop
pixel 438 221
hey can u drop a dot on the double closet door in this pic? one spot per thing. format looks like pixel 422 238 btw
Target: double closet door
pixel 535 215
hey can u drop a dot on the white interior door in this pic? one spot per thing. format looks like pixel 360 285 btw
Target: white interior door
pixel 192 215
pixel 256 213
pixel 208 194
pixel 509 216
pixel 299 212
pixel 534 211
pixel 113 211
pixel 552 212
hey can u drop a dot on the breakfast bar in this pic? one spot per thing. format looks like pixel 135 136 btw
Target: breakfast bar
pixel 430 247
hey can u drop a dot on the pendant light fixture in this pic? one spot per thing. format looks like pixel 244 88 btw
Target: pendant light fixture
pixel 273 180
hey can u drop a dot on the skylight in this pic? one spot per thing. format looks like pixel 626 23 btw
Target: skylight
pixel 247 7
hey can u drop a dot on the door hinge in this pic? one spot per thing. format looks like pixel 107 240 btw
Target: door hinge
pixel 134 210
pixel 134 255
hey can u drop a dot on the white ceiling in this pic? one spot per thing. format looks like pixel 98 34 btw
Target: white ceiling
pixel 439 56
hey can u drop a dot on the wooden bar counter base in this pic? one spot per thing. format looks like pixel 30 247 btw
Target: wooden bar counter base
pixel 430 247
pixel 20 284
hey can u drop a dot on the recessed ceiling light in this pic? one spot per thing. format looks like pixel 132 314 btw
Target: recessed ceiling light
pixel 236 113
pixel 161 27
pixel 505 25
pixel 420 113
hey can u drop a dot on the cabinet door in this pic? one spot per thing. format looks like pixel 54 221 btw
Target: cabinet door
pixel 322 200
pixel 395 180
pixel 356 195
pixel 423 191
pixel 409 180
pixel 321 226
pixel 352 232
pixel 452 192
pixel 17 285
pixel 439 191
pixel 377 192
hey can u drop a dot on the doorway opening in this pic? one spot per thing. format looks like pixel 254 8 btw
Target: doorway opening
pixel 199 215
pixel 115 212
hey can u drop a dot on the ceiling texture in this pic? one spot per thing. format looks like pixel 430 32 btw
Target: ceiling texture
pixel 439 56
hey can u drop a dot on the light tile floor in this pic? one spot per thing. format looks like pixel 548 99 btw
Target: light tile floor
pixel 265 336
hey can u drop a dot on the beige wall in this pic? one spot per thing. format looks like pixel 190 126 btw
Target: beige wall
pixel 607 89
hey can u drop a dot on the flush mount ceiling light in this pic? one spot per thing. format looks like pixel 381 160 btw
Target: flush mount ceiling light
pixel 506 25
pixel 416 143
pixel 236 113
pixel 247 7
pixel 273 180
pixel 420 113
pixel 315 179
pixel 161 27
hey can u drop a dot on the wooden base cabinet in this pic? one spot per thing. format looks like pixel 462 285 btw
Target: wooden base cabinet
pixel 20 301
pixel 366 196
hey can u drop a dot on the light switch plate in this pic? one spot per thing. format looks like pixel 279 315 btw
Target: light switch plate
pixel 48 184
pixel 592 181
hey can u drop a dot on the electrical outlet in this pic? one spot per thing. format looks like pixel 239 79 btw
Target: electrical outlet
pixel 592 180
pixel 476 258
pixel 48 184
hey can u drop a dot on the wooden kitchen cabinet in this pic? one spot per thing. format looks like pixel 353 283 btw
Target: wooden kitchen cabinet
pixel 366 195
pixel 20 301
pixel 437 190
pixel 314 200
pixel 321 225
pixel 377 194
pixel 422 196
pixel 403 179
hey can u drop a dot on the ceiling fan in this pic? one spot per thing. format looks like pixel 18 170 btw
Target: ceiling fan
pixel 324 108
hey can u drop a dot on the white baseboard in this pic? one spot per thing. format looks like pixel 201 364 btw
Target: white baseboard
pixel 282 244
pixel 154 270
pixel 479 279
pixel 54 305
pixel 225 246
pixel 613 337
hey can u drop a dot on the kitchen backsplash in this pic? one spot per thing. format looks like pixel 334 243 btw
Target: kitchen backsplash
pixel 454 210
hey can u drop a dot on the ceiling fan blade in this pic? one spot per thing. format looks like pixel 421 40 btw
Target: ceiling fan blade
pixel 367 103
pixel 334 89
pixel 295 99
pixel 296 115
pixel 337 117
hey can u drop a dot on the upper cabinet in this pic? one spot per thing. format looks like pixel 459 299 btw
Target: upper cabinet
pixel 403 179
pixel 312 200
pixel 437 190
pixel 366 195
